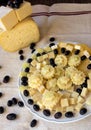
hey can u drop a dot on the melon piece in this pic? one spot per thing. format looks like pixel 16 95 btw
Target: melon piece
pixel 22 35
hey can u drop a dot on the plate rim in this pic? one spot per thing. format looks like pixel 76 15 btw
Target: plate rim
pixel 46 118
pixel 54 121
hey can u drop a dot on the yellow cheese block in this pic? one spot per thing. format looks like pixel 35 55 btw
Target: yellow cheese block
pixel 83 66
pixel 88 101
pixel 78 106
pixel 72 101
pixel 80 99
pixel 70 108
pixel 86 47
pixel 8 18
pixel 23 34
pixel 89 84
pixel 64 102
pixel 84 92
pixel 24 10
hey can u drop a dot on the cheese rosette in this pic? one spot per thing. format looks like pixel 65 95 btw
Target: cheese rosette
pixel 47 71
pixel 52 84
pixel 35 80
pixel 78 77
pixel 69 71
pixel 50 99
pixel 64 82
pixel 59 71
pixel 74 60
pixel 61 60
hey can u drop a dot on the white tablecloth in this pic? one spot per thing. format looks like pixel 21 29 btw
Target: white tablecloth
pixel 68 27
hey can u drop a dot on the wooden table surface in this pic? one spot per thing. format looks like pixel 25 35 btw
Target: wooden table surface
pixel 50 2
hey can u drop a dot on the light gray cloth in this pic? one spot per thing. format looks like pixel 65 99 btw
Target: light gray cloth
pixel 69 28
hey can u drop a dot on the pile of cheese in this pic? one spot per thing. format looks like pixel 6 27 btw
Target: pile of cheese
pixel 17 28
pixel 54 86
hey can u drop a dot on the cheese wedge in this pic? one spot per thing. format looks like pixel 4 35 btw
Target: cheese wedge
pixel 24 11
pixel 22 35
pixel 8 18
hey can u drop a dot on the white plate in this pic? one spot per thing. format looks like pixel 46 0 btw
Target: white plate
pixel 51 118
